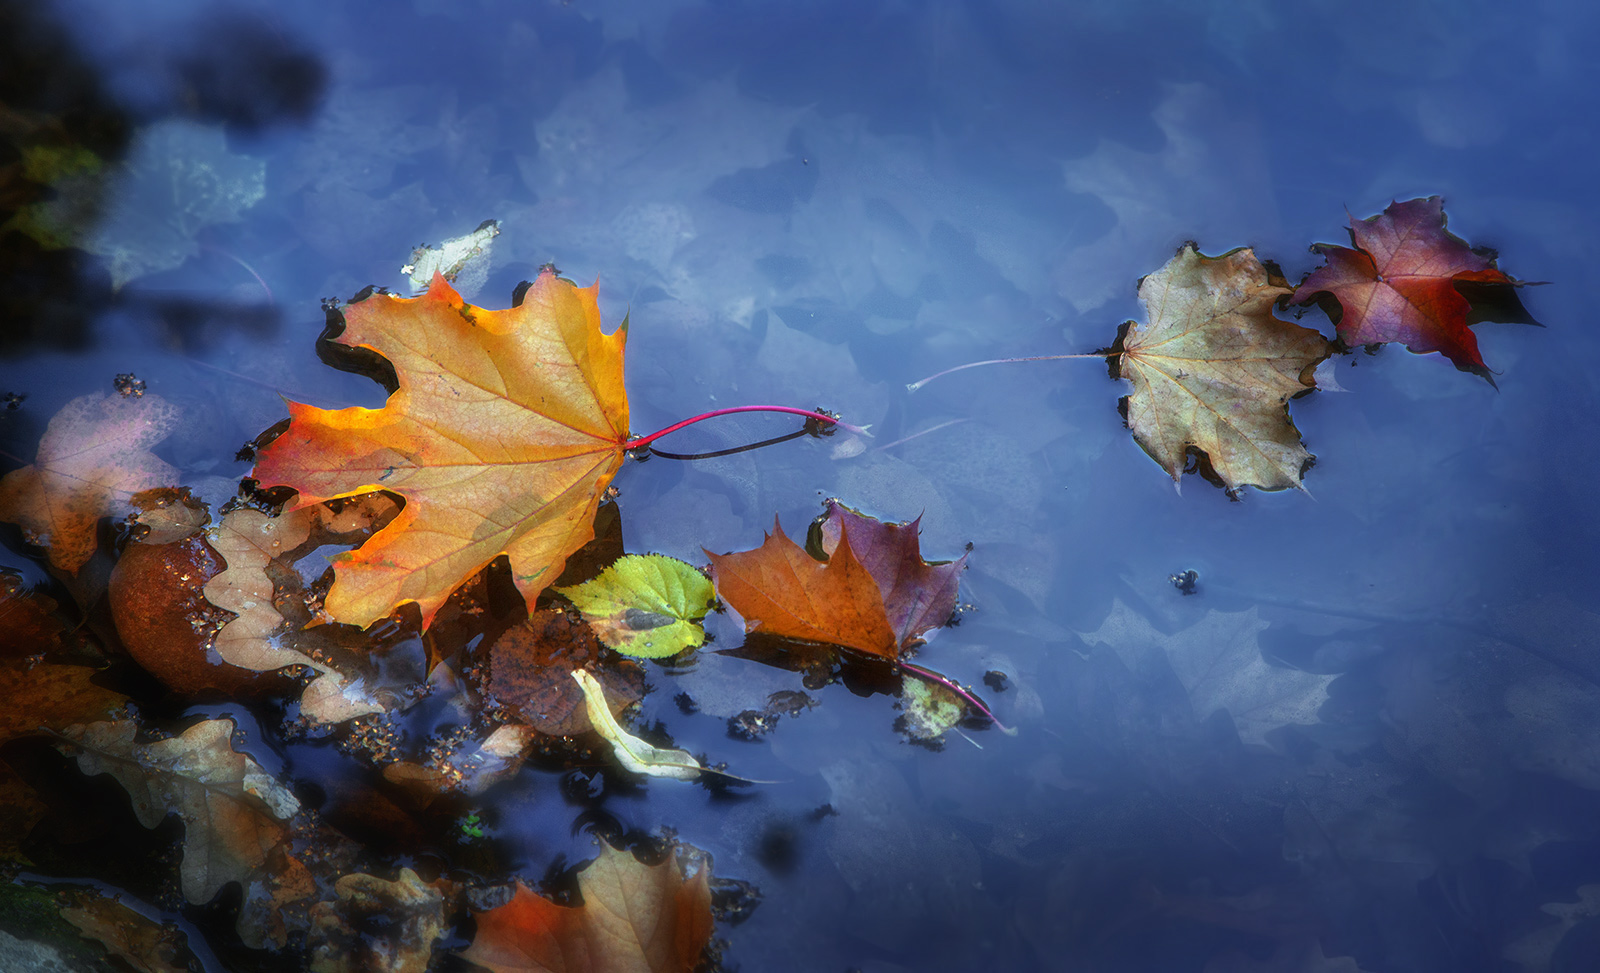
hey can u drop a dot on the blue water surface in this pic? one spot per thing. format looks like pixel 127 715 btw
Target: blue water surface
pixel 1370 740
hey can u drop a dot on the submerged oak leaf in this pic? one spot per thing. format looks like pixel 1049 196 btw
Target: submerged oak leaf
pixel 1400 283
pixel 248 541
pixel 41 698
pixel 95 454
pixel 1213 370
pixel 501 436
pixel 377 925
pixel 235 814
pixel 634 918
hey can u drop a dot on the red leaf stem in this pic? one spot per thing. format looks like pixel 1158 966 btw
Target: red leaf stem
pixel 643 441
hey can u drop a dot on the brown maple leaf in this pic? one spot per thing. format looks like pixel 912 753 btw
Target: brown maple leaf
pixel 94 455
pixel 1213 371
pixel 1401 283
pixel 634 919
pixel 874 594
pixel 503 432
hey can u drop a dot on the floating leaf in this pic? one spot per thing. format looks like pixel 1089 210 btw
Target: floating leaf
pixel 1213 371
pixel 782 591
pixel 633 753
pixel 874 594
pixel 634 919
pixel 94 456
pixel 1400 283
pixel 646 605
pixel 917 596
pixel 504 430
pixel 463 261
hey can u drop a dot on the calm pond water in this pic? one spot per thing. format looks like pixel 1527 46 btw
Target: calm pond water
pixel 1371 735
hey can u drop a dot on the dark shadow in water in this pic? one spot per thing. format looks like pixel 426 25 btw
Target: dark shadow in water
pixel 58 113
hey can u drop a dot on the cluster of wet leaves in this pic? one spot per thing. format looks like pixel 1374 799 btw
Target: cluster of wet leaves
pixel 235 603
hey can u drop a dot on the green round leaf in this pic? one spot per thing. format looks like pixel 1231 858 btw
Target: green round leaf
pixel 646 605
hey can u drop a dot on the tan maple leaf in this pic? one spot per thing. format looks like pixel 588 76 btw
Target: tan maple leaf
pixel 1213 370
pixel 95 454
pixel 503 432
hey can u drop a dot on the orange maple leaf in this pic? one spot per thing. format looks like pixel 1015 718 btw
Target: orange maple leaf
pixel 781 590
pixel 503 432
pixel 874 594
pixel 635 918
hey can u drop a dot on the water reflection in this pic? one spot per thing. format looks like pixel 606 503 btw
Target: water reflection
pixel 814 204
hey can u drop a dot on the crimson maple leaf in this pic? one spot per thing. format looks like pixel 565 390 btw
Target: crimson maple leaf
pixel 1402 283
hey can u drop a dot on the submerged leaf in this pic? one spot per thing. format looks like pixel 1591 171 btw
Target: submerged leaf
pixel 1213 371
pixel 377 925
pixel 235 814
pixel 94 456
pixel 248 540
pixel 1218 661
pixel 633 753
pixel 28 625
pixel 147 946
pixel 530 674
pixel 646 605
pixel 504 430
pixel 164 619
pixel 40 698
pixel 179 179
pixel 634 919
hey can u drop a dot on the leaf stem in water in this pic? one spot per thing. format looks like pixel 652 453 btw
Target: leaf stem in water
pixel 643 441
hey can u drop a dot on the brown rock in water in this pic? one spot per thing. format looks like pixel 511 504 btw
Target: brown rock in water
pixel 165 620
